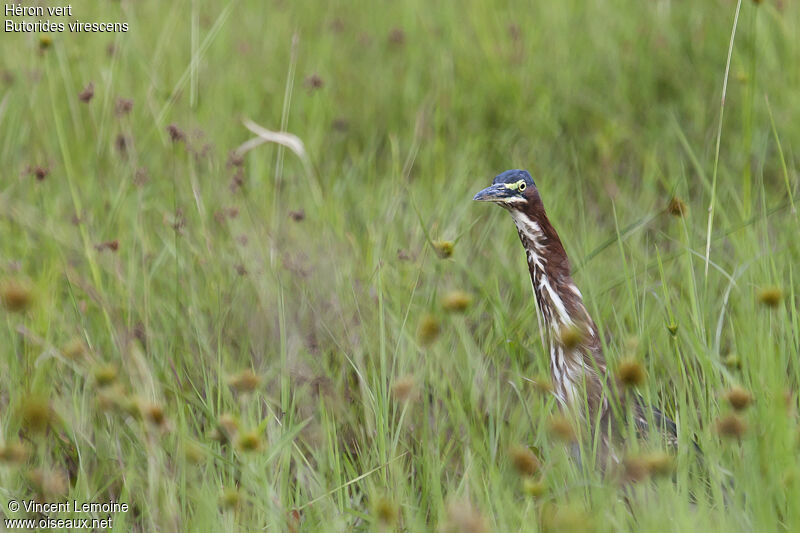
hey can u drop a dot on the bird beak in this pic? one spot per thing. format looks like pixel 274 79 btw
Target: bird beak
pixel 493 193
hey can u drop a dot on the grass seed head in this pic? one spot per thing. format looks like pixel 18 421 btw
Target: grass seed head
pixel 739 398
pixel 105 375
pixel 443 249
pixel 770 296
pixel 635 469
pixel 404 389
pixel 463 517
pixel 456 301
pixel 534 487
pixel 570 336
pixel 245 381
pixel 154 414
pixel 631 373
pixel 45 42
pixel 542 384
pixel 230 498
pixel 175 133
pixel 36 415
pixel 87 93
pixel 672 327
pixel 74 349
pixel 249 441
pixel 659 463
pixel 385 511
pixel 524 461
pixel 561 428
pixel 16 295
pixel 677 207
pixel 732 361
pixel 731 426
pixel 428 329
pixel 49 483
pixel 14 453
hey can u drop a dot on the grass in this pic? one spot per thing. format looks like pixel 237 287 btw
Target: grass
pixel 252 343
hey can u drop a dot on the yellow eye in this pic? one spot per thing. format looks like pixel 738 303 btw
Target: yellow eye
pixel 521 186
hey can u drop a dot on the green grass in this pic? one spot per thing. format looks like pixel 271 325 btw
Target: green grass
pixel 614 107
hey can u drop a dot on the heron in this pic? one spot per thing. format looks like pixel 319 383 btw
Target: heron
pixel 580 377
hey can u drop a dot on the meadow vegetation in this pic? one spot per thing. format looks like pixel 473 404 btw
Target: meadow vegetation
pixel 233 341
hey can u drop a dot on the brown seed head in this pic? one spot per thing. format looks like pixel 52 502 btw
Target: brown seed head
pixel 659 463
pixel 123 106
pixel 14 453
pixel 397 36
pixel 314 82
pixel 45 42
pixel 631 373
pixel 739 398
pixel 770 296
pixel 87 93
pixel 154 413
pixel 541 384
pixel 561 428
pixel 404 389
pixel 443 249
pixel 463 517
pixel 428 329
pixel 534 487
pixel 385 511
pixel 105 375
pixel 245 381
pixel 297 216
pixel 677 207
pixel 175 133
pixel 249 441
pixel 35 414
pixel 524 460
pixel 194 452
pixel 40 172
pixel 456 301
pixel 635 469
pixel 731 426
pixel 230 498
pixel 570 336
pixel 74 349
pixel 16 295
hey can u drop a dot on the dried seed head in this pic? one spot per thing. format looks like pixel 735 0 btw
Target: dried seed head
pixel 541 384
pixel 463 517
pixel 45 42
pixel 249 441
pixel 634 469
pixel 194 453
pixel 40 172
pixel 561 428
pixel 123 106
pixel 36 414
pixel 113 399
pixel 404 389
pixel 659 463
pixel 105 375
pixel 731 426
pixel 49 483
pixel 770 296
pixel 732 361
pixel 175 133
pixel 74 349
pixel 443 249
pixel 456 301
pixel 16 295
pixel 428 329
pixel 534 487
pixel 570 336
pixel 397 36
pixel 314 82
pixel 87 93
pixel 739 398
pixel 154 413
pixel 14 453
pixel 385 511
pixel 245 381
pixel 524 460
pixel 228 426
pixel 677 207
pixel 297 216
pixel 230 498
pixel 631 373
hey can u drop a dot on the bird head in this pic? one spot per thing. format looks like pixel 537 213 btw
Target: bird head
pixel 513 189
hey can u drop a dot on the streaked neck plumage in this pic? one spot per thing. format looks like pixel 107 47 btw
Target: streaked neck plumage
pixel 576 357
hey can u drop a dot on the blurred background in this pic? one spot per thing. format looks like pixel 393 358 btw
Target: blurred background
pixel 227 339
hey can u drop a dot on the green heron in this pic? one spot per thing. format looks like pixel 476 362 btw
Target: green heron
pixel 581 381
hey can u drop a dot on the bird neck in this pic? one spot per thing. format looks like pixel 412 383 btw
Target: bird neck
pixel 576 357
